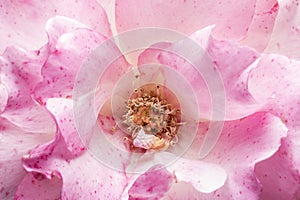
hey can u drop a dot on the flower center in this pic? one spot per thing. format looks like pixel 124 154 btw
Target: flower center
pixel 152 120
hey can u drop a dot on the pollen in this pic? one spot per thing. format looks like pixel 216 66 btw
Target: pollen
pixel 151 120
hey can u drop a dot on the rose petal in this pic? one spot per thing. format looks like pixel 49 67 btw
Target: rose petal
pixel 62 109
pixel 285 38
pixel 205 177
pixel 279 174
pixel 83 177
pixel 186 16
pixel 260 30
pixel 20 72
pixel 3 97
pixel 35 187
pixel 275 80
pixel 22 22
pixel 152 184
pixel 226 72
pixel 15 143
pixel 61 68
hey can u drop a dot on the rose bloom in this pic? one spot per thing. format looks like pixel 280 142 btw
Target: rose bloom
pixel 150 99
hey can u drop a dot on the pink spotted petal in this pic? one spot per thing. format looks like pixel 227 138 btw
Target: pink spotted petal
pixel 285 38
pixel 205 177
pixel 242 144
pixel 23 22
pixel 186 16
pixel 261 28
pixel 35 186
pixel 151 185
pixel 15 143
pixel 275 80
pixel 82 177
pixel 3 97
pixel 20 73
pixel 60 70
pixel 279 175
pixel 62 109
pixel 211 88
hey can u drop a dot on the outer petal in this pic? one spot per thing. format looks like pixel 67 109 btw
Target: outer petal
pixel 186 16
pixel 242 144
pixel 62 111
pixel 279 174
pixel 275 81
pixel 22 22
pixel 35 186
pixel 62 65
pixel 15 143
pixel 285 38
pixel 20 72
pixel 3 97
pixel 153 184
pixel 83 177
pixel 260 30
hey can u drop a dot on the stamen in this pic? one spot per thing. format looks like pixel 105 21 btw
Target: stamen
pixel 151 120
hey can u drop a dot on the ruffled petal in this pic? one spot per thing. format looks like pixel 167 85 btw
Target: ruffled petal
pixel 242 144
pixel 152 184
pixel 186 16
pixel 15 143
pixel 275 80
pixel 62 110
pixel 60 70
pixel 285 38
pixel 261 28
pixel 83 177
pixel 22 22
pixel 219 76
pixel 20 73
pixel 3 97
pixel 279 175
pixel 36 186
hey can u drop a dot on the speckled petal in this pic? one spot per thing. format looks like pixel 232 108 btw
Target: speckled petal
pixel 186 16
pixel 279 175
pixel 83 177
pixel 3 97
pixel 230 64
pixel 60 70
pixel 15 143
pixel 20 73
pixel 242 144
pixel 22 22
pixel 261 28
pixel 35 186
pixel 275 80
pixel 151 185
pixel 285 38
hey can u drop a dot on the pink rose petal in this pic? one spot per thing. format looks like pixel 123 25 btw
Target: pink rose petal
pixel 15 143
pixel 285 38
pixel 275 80
pixel 20 73
pixel 62 111
pixel 3 97
pixel 23 22
pixel 152 184
pixel 61 68
pixel 242 144
pixel 279 174
pixel 229 59
pixel 261 28
pixel 35 186
pixel 83 177
pixel 186 16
